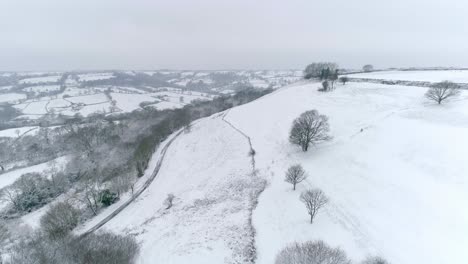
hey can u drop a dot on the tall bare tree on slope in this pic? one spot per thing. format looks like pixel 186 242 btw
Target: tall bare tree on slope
pixel 309 128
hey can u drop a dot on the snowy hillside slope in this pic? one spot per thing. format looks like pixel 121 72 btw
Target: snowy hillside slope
pixel 398 188
pixel 209 172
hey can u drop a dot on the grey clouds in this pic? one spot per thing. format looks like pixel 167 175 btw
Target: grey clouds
pixel 221 34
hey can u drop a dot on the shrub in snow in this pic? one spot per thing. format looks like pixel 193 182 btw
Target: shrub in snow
pixel 108 197
pixel 344 80
pixel 314 200
pixel 311 253
pixel 103 248
pixel 442 90
pixel 169 201
pixel 325 87
pixel 59 220
pixel 368 68
pixel 309 128
pixel 375 260
pixel 295 174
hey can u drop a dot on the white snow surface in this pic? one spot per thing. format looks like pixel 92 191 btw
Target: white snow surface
pixel 15 132
pixel 11 97
pixel 45 79
pixel 458 76
pixel 398 188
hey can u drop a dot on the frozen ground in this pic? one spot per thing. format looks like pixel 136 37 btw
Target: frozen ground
pixel 208 170
pixel 398 188
pixel 458 76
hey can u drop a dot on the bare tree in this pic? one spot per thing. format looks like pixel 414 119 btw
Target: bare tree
pixel 375 260
pixel 169 201
pixel 344 80
pixel 442 90
pixel 333 77
pixel 310 253
pixel 92 190
pixel 314 200
pixel 368 68
pixel 59 220
pixel 309 128
pixel 295 174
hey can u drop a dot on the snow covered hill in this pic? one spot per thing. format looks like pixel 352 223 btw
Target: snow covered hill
pixel 398 188
pixel 395 173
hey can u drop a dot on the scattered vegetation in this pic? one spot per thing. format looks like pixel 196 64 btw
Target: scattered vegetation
pixel 53 243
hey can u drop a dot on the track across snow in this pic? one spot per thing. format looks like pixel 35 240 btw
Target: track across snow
pixel 160 158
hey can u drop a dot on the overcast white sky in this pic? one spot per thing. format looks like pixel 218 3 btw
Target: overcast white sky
pixel 235 34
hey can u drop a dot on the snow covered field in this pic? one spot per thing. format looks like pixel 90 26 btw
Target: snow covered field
pixel 42 88
pixel 398 188
pixel 46 79
pixel 458 76
pixel 11 97
pixel 95 76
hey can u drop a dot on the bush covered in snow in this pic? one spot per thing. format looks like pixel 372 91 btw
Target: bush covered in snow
pixel 30 191
pixel 311 253
pixel 60 220
pixel 94 248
